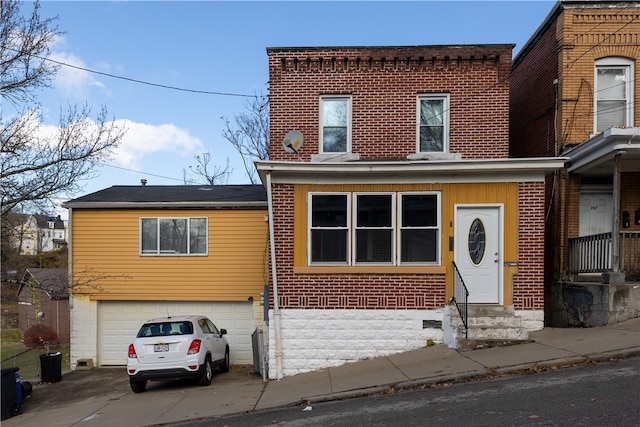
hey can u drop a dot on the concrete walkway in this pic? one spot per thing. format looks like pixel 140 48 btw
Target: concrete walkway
pixel 162 403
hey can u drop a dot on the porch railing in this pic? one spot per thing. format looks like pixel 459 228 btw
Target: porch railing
pixel 592 254
pixel 460 298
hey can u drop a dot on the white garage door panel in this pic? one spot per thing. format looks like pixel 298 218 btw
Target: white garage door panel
pixel 120 320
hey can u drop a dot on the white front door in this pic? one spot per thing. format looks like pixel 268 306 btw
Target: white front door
pixel 596 211
pixel 478 251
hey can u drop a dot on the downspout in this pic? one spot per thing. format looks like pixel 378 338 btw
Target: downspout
pixel 274 278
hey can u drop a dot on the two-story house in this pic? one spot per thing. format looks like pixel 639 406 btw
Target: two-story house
pixel 140 252
pixel 391 195
pixel 37 233
pixel 573 94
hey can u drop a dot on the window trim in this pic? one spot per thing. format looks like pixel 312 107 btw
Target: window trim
pixel 445 97
pixel 323 98
pixel 437 227
pixel 615 62
pixel 310 228
pixel 355 228
pixel 157 252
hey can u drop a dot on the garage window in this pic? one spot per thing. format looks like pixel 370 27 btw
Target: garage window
pixel 173 236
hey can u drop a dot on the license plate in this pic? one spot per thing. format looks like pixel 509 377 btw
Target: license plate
pixel 160 347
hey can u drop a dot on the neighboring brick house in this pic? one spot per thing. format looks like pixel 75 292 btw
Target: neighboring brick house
pixel 139 252
pixel 43 297
pixel 573 94
pixel 389 171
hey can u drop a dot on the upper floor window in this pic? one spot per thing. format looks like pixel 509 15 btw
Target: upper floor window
pixel 433 123
pixel 335 124
pixel 613 93
pixel 173 236
pixel 369 228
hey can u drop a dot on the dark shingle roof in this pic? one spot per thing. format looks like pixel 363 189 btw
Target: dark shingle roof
pixel 185 196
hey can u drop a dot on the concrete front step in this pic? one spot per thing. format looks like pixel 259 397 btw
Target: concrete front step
pixel 488 322
pixel 493 333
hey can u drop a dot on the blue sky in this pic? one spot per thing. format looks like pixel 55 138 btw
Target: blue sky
pixel 220 47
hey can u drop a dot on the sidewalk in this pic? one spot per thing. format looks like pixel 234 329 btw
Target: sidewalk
pixel 243 392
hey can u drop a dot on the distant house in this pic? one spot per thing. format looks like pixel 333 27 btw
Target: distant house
pixel 139 252
pixel 392 193
pixel 574 93
pixel 43 297
pixel 38 233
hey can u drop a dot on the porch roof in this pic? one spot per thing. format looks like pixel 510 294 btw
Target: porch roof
pixel 596 155
pixel 408 171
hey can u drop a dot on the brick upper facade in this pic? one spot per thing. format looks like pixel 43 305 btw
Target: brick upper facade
pixel 384 83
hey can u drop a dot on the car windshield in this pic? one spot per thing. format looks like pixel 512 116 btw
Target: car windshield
pixel 157 329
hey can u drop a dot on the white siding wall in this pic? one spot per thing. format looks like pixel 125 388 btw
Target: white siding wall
pixel 84 329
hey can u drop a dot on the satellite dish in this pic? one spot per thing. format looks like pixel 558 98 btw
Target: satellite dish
pixel 292 142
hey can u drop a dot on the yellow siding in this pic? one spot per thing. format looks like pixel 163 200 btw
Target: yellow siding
pixel 505 194
pixel 106 252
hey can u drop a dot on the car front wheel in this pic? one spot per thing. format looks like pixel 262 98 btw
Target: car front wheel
pixel 207 373
pixel 138 386
pixel 225 363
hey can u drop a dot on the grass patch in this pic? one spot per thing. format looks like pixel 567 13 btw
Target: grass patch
pixel 15 354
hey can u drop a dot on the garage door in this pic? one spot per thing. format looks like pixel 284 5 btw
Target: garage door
pixel 119 322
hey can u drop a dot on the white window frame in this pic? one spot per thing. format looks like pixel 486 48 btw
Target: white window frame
pixel 445 98
pixel 355 228
pixel 310 228
pixel 324 98
pixel 158 252
pixel 396 229
pixel 437 227
pixel 615 62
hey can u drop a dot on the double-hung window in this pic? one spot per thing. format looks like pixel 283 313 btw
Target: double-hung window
pixel 419 228
pixel 173 236
pixel 329 233
pixel 614 93
pixel 374 228
pixel 433 123
pixel 335 124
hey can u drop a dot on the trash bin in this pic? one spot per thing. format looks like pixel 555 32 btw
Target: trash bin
pixel 51 367
pixel 10 405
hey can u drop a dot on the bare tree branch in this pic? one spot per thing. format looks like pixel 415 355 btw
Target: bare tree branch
pixel 36 168
pixel 249 134
pixel 211 174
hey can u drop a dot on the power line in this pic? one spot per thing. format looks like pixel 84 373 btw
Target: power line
pixel 140 172
pixel 129 79
pixel 205 92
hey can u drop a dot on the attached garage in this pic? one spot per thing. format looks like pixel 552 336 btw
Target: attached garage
pixel 119 322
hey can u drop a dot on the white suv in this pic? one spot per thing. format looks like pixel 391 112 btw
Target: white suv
pixel 177 347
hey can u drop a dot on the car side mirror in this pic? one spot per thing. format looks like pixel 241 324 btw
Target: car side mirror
pixel 223 332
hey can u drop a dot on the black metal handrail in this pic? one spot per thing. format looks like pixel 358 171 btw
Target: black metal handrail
pixel 460 298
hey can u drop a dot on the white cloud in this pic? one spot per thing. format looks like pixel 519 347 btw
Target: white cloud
pixel 74 82
pixel 142 139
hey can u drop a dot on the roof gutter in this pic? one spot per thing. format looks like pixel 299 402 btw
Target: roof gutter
pixel 165 205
